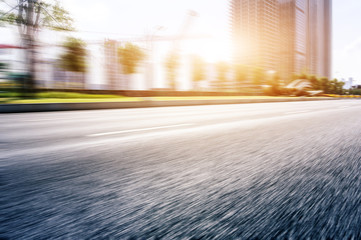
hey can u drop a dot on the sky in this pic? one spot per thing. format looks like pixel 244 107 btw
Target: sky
pixel 347 39
pixel 119 19
pixel 136 17
pixel 123 18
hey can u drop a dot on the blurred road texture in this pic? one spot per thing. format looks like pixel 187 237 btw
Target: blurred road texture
pixel 251 171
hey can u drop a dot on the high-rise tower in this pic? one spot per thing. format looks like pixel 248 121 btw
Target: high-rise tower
pixel 289 36
pixel 293 33
pixel 255 32
pixel 319 24
pixel 325 33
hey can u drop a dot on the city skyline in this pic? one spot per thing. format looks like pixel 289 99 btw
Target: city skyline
pixel 346 40
pixel 285 36
pixel 116 19
pixel 306 37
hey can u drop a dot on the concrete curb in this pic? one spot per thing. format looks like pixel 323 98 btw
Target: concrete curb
pixel 48 107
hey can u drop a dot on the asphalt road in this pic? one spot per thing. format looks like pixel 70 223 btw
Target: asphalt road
pixel 251 171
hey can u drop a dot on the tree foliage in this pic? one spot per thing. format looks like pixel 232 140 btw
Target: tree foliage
pixel 198 70
pixel 31 16
pixel 37 15
pixel 3 66
pixel 74 58
pixel 222 70
pixel 336 86
pixel 314 82
pixel 274 82
pixel 258 76
pixel 302 75
pixel 130 56
pixel 240 73
pixel 171 65
pixel 324 84
pixel 327 86
pixel 356 91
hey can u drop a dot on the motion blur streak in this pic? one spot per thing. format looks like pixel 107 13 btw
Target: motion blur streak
pixel 293 174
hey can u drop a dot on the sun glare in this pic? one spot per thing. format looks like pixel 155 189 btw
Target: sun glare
pixel 211 50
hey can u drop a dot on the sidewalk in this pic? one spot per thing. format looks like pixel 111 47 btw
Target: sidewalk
pixel 47 107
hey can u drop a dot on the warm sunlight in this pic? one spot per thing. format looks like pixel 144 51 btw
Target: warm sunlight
pixel 180 119
pixel 211 49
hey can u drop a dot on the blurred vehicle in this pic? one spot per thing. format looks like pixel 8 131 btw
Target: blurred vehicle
pixel 301 87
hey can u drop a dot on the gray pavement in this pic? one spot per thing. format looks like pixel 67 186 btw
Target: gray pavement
pixel 249 171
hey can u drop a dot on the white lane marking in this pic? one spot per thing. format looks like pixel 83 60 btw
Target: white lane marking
pixel 138 130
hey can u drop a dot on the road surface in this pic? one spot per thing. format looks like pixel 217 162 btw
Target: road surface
pixel 248 171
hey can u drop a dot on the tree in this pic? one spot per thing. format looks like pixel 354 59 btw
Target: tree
pixel 3 66
pixel 198 70
pixel 240 74
pixel 333 86
pixel 325 84
pixel 336 86
pixel 74 58
pixel 275 83
pixel 258 76
pixel 340 89
pixel 130 56
pixel 31 16
pixel 355 91
pixel 222 70
pixel 171 65
pixel 300 76
pixel 314 82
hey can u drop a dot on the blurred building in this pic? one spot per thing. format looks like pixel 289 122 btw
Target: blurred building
pixel 13 57
pixel 324 37
pixel 306 37
pixel 356 86
pixel 255 32
pixel 289 36
pixel 115 77
pixel 113 69
pixel 293 31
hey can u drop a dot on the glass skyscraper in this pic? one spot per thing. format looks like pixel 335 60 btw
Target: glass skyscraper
pixel 287 36
pixel 255 32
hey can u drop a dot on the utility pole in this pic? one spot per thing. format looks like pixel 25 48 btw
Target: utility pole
pixel 28 20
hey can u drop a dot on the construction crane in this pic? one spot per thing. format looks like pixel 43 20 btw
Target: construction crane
pixel 112 46
pixel 177 40
pixel 183 34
